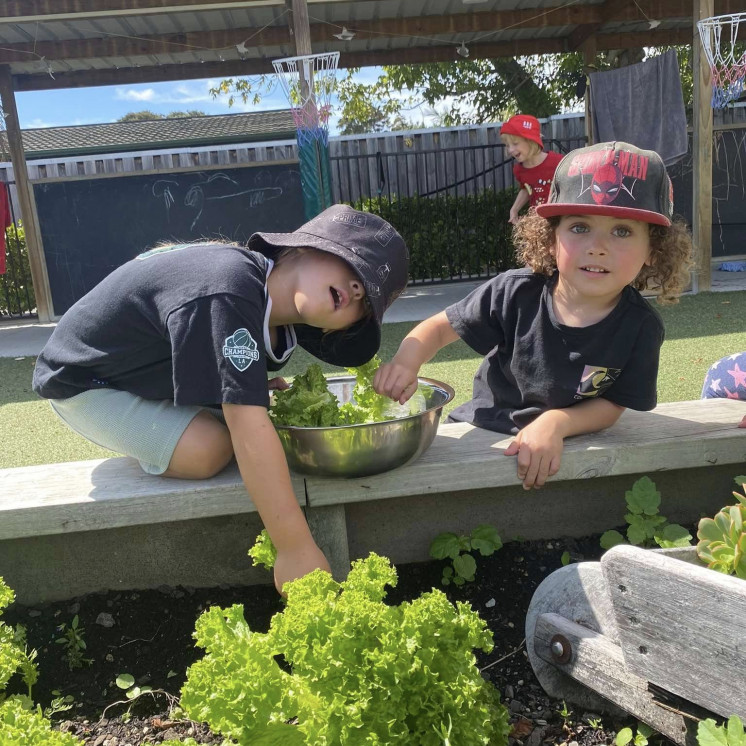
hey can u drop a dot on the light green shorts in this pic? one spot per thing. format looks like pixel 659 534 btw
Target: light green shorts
pixel 127 424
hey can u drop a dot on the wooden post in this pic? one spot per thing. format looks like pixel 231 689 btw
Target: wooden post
pixel 301 28
pixel 34 247
pixel 702 154
pixel 589 58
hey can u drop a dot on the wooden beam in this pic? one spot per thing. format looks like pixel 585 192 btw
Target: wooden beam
pixel 461 23
pixel 610 10
pixel 37 263
pixel 409 56
pixel 23 11
pixel 702 153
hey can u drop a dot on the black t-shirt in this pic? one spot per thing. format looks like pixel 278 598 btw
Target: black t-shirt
pixel 187 323
pixel 534 363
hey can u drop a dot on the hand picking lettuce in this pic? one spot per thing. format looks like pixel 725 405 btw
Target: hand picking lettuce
pixel 309 403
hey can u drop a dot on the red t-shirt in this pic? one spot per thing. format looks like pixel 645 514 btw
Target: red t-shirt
pixel 538 180
pixel 5 221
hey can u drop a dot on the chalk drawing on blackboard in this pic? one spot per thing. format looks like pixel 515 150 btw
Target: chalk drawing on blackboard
pixel 221 186
pixel 162 188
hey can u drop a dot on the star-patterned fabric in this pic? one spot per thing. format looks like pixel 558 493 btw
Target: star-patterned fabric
pixel 726 379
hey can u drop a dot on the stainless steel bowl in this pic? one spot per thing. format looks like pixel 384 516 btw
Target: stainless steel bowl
pixel 362 450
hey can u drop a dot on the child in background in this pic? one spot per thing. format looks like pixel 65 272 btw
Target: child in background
pixel 148 360
pixel 726 379
pixel 533 168
pixel 569 341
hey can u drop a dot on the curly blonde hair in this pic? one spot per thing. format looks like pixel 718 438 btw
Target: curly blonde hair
pixel 670 254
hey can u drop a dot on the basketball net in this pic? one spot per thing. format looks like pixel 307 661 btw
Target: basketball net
pixel 308 82
pixel 719 36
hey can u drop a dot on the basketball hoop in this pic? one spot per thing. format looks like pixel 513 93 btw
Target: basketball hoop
pixel 719 36
pixel 308 82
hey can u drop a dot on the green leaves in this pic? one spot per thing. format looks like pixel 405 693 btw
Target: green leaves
pixel 645 526
pixel 309 403
pixel 709 733
pixel 448 545
pixel 627 735
pixel 338 665
pixel 263 552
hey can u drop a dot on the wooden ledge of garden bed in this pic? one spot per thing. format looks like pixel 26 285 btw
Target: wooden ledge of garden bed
pixel 68 529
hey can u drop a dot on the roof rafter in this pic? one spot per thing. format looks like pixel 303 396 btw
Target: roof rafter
pixel 203 41
pixel 412 55
pixel 22 11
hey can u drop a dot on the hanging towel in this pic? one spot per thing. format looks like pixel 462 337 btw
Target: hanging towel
pixel 642 104
pixel 5 221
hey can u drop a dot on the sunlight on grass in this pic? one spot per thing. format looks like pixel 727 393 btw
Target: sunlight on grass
pixel 699 330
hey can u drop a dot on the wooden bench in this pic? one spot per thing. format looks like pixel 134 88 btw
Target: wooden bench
pixel 70 528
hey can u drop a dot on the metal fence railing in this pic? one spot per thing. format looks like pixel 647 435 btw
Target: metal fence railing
pixel 16 289
pixel 451 205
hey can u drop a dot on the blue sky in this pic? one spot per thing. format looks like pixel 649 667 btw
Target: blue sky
pixel 71 106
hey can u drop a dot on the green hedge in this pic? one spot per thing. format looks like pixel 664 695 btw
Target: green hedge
pixel 451 236
pixel 16 288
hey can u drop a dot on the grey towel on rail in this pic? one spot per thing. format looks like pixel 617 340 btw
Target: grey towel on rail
pixel 642 104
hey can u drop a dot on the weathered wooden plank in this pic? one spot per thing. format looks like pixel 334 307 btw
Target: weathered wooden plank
pixel 110 493
pixel 598 663
pixel 681 626
pixel 677 435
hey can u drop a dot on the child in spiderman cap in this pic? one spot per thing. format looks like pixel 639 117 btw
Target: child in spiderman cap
pixel 569 340
pixel 533 168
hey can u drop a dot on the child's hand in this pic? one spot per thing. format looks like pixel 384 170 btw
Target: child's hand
pixel 539 450
pixel 297 562
pixel 396 381
pixel 513 217
pixel 278 383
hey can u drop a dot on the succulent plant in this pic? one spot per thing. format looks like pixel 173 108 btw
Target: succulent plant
pixel 722 539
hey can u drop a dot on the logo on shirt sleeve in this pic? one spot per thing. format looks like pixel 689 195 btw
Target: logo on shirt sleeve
pixel 595 380
pixel 240 349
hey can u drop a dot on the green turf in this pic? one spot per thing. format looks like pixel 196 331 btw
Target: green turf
pixel 699 330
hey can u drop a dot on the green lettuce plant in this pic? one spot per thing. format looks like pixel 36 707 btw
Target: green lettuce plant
pixel 646 526
pixel 722 539
pixel 457 548
pixel 339 666
pixel 20 723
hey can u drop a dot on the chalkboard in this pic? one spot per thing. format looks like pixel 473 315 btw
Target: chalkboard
pixel 728 191
pixel 89 227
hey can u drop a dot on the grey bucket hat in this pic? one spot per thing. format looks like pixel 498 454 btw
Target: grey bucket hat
pixel 379 256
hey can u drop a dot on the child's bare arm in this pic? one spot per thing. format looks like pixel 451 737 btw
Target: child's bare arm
pixel 521 201
pixel 398 379
pixel 539 445
pixel 265 474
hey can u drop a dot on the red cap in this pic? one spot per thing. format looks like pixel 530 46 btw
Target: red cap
pixel 523 125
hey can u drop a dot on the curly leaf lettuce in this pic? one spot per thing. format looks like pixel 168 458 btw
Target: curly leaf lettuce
pixel 309 403
pixel 340 666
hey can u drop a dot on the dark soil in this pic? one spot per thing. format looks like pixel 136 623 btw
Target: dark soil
pixel 151 639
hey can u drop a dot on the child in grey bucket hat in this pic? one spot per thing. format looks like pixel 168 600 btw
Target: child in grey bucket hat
pixel 167 360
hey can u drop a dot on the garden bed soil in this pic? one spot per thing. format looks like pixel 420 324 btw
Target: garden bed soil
pixel 151 639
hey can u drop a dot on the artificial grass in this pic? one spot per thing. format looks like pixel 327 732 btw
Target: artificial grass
pixel 699 330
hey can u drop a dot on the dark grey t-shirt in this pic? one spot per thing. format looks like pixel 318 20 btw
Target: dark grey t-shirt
pixel 534 363
pixel 186 324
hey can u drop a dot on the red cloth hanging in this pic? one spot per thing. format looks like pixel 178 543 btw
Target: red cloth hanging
pixel 5 222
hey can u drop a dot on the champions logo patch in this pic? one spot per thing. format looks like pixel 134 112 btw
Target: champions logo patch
pixel 240 349
pixel 595 380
